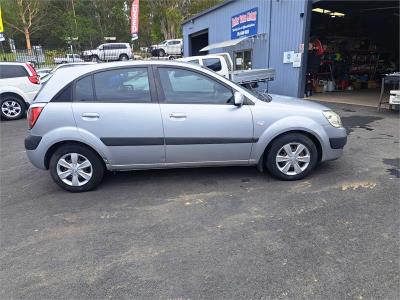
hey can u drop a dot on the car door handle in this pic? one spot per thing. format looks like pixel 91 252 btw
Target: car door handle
pixel 179 116
pixel 90 116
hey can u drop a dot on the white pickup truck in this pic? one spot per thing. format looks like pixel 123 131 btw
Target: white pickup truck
pixel 68 58
pixel 171 48
pixel 222 64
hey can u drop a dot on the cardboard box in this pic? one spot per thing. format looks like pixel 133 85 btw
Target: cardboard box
pixel 319 89
pixel 372 84
pixel 357 85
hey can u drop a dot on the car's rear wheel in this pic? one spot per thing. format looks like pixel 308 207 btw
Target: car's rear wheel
pixel 123 57
pixel 12 107
pixel 94 58
pixel 291 157
pixel 76 168
pixel 161 53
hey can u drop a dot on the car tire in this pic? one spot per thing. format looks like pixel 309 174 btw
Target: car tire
pixel 65 170
pixel 161 53
pixel 12 107
pixel 291 157
pixel 123 57
pixel 94 58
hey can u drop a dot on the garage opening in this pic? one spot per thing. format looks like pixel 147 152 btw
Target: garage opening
pixel 353 44
pixel 197 41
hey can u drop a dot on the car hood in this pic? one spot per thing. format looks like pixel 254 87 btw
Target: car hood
pixel 297 103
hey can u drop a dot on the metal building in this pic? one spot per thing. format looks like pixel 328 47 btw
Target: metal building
pixel 257 34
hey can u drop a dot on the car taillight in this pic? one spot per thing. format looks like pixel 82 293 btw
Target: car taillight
pixel 33 114
pixel 34 78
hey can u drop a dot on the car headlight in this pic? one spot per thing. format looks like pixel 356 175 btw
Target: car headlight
pixel 333 118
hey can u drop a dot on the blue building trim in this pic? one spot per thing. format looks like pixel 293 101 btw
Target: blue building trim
pixel 282 25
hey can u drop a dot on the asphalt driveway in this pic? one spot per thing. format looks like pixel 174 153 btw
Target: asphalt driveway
pixel 212 233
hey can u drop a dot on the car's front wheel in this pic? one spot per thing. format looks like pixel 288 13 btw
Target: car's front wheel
pixel 76 168
pixel 12 107
pixel 291 157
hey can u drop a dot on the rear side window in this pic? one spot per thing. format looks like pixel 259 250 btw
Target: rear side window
pixel 12 71
pixel 213 64
pixel 122 85
pixel 84 89
pixel 65 95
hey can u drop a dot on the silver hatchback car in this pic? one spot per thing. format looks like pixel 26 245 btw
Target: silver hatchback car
pixel 146 115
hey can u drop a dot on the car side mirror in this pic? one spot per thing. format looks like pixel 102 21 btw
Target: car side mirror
pixel 239 99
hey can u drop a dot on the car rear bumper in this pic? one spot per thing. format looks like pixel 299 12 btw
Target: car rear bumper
pixel 32 142
pixel 33 151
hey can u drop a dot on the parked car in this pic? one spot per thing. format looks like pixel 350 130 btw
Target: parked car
pixel 47 76
pixel 35 56
pixel 109 52
pixel 68 58
pixel 167 48
pixel 162 114
pixel 19 84
pixel 43 72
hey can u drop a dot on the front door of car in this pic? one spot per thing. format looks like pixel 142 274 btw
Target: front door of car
pixel 119 107
pixel 201 123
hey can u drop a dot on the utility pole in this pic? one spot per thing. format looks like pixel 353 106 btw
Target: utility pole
pixel 75 21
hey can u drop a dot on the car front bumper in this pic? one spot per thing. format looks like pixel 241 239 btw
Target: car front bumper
pixel 336 139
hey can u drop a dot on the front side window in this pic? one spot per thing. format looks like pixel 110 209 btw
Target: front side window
pixel 213 64
pixel 185 86
pixel 123 85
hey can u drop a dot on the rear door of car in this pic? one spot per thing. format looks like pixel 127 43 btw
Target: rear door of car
pixel 120 107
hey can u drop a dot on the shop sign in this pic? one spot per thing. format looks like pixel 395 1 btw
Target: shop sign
pixel 244 24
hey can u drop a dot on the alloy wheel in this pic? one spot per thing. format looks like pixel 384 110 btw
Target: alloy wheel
pixel 74 169
pixel 293 159
pixel 11 109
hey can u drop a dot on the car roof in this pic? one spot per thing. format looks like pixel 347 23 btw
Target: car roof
pixel 13 63
pixel 64 76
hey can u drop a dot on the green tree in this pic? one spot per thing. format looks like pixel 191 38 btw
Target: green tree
pixel 25 16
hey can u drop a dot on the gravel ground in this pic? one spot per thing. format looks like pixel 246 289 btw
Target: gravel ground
pixel 211 233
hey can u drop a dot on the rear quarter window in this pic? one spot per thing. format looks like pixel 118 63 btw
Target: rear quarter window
pixel 213 64
pixel 12 71
pixel 65 95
